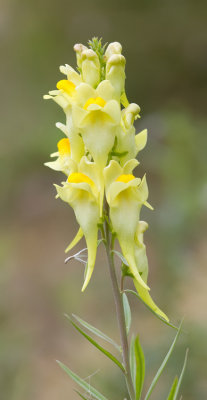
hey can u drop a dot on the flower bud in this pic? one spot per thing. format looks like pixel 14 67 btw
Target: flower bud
pixel 79 48
pixel 130 114
pixel 113 48
pixel 90 67
pixel 115 73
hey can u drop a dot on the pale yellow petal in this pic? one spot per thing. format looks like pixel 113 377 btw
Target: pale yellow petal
pixel 118 187
pixel 62 127
pixel 112 108
pixel 72 75
pixel 83 93
pixel 141 140
pixel 130 166
pixel 105 90
pixel 59 99
pixel 111 173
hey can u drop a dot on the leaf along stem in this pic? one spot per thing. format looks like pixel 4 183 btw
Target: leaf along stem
pixel 119 307
pixel 92 341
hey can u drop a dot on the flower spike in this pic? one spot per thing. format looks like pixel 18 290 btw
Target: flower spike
pixel 98 156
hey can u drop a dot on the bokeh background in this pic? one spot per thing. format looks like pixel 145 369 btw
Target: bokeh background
pixel 165 43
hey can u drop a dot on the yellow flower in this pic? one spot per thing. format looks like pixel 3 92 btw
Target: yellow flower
pixel 65 97
pixel 97 119
pixel 125 195
pixel 64 162
pixel 65 94
pixel 82 192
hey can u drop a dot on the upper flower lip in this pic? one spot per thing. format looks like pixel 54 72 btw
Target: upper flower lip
pixel 84 92
pixel 72 75
pixel 111 111
pixel 118 187
pixel 114 170
pixel 85 177
pixel 85 186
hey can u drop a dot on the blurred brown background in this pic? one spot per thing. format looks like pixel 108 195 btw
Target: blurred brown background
pixel 165 43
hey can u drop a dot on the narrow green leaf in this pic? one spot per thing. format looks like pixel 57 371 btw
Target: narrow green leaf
pixel 140 368
pixel 153 312
pixel 81 395
pixel 160 370
pixel 100 241
pixel 86 386
pixel 121 257
pixel 173 388
pixel 127 312
pixel 181 376
pixel 96 331
pixel 92 341
pixel 132 361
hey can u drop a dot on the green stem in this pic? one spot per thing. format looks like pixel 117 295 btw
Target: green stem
pixel 119 311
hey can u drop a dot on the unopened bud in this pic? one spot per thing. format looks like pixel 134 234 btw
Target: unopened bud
pixel 142 226
pixel 130 114
pixel 115 73
pixel 79 48
pixel 113 48
pixel 115 59
pixel 90 67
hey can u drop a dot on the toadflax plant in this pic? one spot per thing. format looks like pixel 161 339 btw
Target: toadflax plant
pixel 98 156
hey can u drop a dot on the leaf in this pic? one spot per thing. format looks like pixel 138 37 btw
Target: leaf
pixel 132 361
pixel 121 257
pixel 127 312
pixel 160 370
pixel 96 331
pixel 86 386
pixel 92 341
pixel 81 395
pixel 173 388
pixel 100 241
pixel 140 368
pixel 181 376
pixel 153 312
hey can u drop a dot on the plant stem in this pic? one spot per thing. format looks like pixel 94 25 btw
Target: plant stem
pixel 119 311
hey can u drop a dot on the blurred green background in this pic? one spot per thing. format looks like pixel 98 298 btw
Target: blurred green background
pixel 165 45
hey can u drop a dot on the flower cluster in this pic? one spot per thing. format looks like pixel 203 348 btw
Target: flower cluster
pixel 98 156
